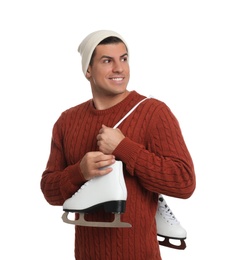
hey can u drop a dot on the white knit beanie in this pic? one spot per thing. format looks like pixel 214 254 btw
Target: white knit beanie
pixel 90 42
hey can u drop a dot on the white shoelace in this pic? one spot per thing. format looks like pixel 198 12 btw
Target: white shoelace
pixel 166 212
pixel 82 187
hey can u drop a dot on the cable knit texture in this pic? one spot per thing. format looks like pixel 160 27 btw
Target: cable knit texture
pixel 156 161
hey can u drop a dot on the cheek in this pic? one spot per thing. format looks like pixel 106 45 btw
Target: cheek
pixel 127 67
pixel 101 74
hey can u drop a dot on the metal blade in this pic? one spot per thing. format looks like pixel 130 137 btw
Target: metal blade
pixel 116 223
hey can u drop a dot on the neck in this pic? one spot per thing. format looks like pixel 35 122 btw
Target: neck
pixel 105 102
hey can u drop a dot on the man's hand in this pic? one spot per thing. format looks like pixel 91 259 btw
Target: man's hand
pixel 92 164
pixel 108 139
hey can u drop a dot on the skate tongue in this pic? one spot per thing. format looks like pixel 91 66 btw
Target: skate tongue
pixel 170 214
pixel 167 211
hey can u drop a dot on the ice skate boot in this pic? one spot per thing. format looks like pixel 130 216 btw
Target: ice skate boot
pixel 168 226
pixel 108 191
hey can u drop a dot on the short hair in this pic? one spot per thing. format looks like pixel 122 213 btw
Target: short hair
pixel 106 41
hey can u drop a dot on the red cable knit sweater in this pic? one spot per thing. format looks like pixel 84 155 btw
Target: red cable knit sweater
pixel 156 161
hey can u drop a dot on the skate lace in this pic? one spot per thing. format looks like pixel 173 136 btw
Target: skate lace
pixel 83 186
pixel 166 212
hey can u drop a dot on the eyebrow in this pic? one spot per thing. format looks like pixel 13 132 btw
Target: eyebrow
pixel 109 57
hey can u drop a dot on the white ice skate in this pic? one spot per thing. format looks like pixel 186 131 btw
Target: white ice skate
pixel 168 226
pixel 108 191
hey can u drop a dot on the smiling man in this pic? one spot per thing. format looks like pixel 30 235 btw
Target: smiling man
pixel 146 152
pixel 108 73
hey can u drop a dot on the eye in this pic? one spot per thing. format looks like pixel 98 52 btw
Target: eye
pixel 125 58
pixel 106 60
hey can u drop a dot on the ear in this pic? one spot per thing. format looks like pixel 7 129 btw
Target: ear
pixel 88 74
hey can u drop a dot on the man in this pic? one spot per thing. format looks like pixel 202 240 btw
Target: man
pixel 85 145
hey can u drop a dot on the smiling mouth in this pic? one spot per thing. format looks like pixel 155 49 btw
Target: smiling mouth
pixel 117 79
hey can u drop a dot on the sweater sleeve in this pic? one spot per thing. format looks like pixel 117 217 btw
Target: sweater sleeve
pixel 59 181
pixel 163 163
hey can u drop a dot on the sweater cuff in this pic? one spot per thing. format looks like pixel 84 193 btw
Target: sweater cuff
pixel 76 176
pixel 128 151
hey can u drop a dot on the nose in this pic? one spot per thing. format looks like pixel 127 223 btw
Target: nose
pixel 118 66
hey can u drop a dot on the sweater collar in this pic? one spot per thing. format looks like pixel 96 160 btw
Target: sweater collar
pixel 132 98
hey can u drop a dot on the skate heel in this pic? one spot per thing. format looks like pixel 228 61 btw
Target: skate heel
pixel 118 206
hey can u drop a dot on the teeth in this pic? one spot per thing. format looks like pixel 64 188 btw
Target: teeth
pixel 117 79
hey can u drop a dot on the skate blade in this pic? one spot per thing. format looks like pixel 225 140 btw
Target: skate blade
pixel 166 242
pixel 116 223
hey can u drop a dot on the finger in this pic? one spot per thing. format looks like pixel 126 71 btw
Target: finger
pixel 105 170
pixel 103 128
pixel 103 157
pixel 105 163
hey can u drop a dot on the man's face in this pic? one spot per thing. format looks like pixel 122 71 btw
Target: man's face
pixel 109 73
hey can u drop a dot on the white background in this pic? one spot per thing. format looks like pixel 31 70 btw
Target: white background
pixel 181 52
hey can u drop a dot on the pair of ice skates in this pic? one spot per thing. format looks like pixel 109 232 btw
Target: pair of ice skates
pixel 113 198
